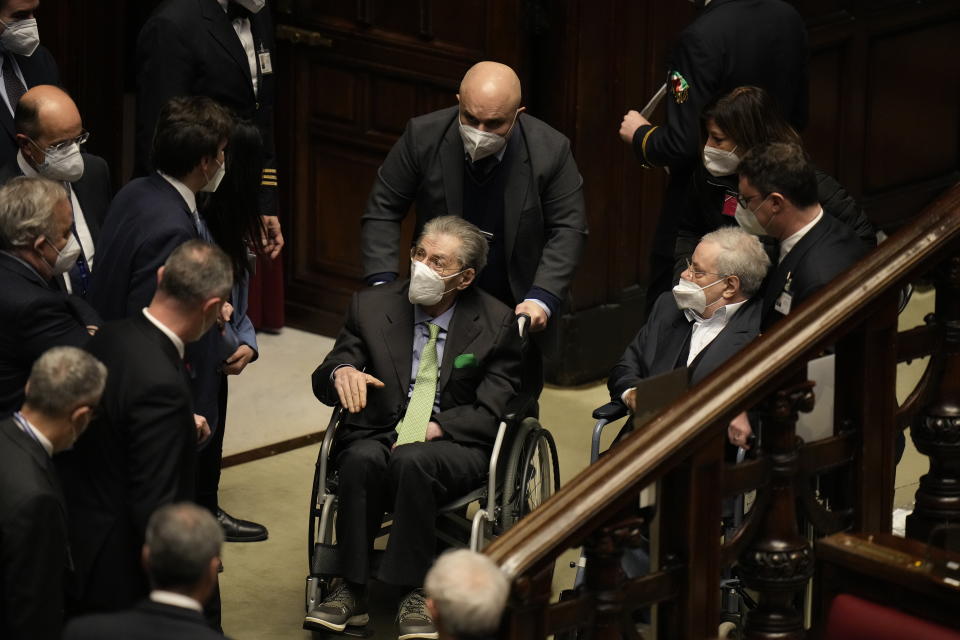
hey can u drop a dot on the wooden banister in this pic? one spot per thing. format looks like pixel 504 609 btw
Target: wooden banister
pixel 857 315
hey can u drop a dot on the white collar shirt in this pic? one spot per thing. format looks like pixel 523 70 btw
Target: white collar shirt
pixel 705 330
pixel 33 432
pixel 185 192
pixel 175 600
pixel 245 33
pixel 174 338
pixel 787 245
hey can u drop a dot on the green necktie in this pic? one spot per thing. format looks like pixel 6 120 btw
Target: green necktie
pixel 413 427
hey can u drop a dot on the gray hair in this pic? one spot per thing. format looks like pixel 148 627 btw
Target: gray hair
pixel 65 378
pixel 469 591
pixel 473 246
pixel 741 255
pixel 195 272
pixel 26 210
pixel 182 539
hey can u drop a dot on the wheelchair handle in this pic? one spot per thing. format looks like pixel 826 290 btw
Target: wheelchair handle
pixel 523 324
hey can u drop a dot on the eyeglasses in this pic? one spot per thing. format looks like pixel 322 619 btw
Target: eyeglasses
pixel 700 274
pixel 439 264
pixel 745 200
pixel 80 140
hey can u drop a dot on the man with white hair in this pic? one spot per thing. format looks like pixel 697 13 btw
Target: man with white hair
pixel 466 595
pixel 36 246
pixel 424 367
pixel 65 385
pixel 711 314
pixel 181 556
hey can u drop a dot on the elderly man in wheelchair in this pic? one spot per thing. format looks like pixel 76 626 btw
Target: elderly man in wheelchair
pixel 425 368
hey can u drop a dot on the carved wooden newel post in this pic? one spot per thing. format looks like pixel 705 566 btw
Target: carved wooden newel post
pixel 604 579
pixel 779 561
pixel 936 431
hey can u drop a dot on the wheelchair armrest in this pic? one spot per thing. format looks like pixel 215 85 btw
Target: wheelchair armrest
pixel 518 408
pixel 610 411
pixel 327 445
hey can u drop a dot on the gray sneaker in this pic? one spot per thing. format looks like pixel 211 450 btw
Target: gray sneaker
pixel 342 608
pixel 413 619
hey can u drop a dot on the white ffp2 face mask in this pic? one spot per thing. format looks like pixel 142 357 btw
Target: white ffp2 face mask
pixel 21 37
pixel 719 162
pixel 66 257
pixel 689 296
pixel 747 219
pixel 217 178
pixel 426 285
pixel 480 144
pixel 62 165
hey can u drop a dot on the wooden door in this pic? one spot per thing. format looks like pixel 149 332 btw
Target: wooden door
pixel 352 73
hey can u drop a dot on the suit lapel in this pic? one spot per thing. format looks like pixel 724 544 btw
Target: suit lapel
pixel 668 354
pixel 733 337
pixel 515 192
pixel 463 330
pixel 398 337
pixel 451 162
pixel 219 26
pixel 786 268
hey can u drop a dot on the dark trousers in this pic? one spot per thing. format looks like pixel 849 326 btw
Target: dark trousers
pixel 210 457
pixel 412 481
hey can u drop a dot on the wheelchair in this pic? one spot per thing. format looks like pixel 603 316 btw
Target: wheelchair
pixel 523 472
pixel 735 602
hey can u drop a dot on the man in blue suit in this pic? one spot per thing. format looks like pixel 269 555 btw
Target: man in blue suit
pixel 153 215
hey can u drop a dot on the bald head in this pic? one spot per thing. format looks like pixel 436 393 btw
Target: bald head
pixel 45 116
pixel 489 97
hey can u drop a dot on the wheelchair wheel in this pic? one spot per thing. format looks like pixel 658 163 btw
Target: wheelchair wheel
pixel 532 474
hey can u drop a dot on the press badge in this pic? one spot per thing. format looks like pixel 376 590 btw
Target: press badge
pixel 785 299
pixel 783 303
pixel 266 67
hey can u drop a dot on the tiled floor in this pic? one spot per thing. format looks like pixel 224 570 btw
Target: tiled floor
pixel 263 582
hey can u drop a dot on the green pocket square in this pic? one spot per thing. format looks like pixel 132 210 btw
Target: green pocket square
pixel 465 360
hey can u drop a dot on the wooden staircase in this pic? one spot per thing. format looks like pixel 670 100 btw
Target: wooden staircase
pixel 681 450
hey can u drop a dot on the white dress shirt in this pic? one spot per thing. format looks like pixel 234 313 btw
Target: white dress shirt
pixel 174 338
pixel 705 330
pixel 242 27
pixel 175 600
pixel 83 231
pixel 791 242
pixel 185 192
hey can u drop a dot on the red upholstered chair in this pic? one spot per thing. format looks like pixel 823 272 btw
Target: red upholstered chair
pixel 852 618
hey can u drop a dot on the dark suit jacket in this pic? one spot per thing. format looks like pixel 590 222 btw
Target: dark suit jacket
pixel 657 347
pixel 35 316
pixel 93 190
pixel 189 47
pixel 137 455
pixel 33 539
pixel 722 49
pixel 827 250
pixel 40 68
pixel 545 223
pixel 146 221
pixel 378 336
pixel 147 621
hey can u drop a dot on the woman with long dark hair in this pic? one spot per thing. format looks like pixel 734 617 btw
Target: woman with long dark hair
pixel 232 220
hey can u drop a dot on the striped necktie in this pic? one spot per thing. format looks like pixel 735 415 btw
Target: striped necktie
pixel 413 427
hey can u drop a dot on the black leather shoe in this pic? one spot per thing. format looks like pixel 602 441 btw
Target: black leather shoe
pixel 236 530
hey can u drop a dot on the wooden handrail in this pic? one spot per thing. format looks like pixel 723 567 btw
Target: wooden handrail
pixel 604 489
